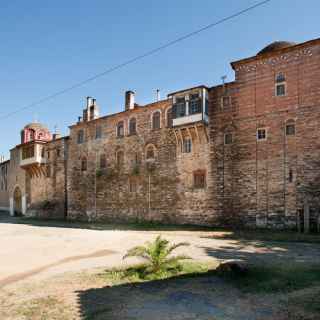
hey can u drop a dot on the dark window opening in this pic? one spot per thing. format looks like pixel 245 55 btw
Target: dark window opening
pixel 179 108
pixel 120 129
pixel 261 134
pixel 80 136
pixel 132 126
pixel 103 161
pixel 83 164
pixel 169 118
pixel 98 132
pixel 228 138
pixel 187 145
pixel 199 179
pixel 290 129
pixel 156 120
pixel 290 176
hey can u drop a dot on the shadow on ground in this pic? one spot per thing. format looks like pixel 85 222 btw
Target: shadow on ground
pixel 202 297
pixel 139 226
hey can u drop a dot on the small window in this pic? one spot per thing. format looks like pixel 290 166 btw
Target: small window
pixel 261 134
pixel 290 176
pixel 84 164
pixel 290 129
pixel 150 153
pixel 156 116
pixel 169 118
pixel 58 152
pixel 228 138
pixel 98 132
pixel 80 136
pixel 120 129
pixel 199 179
pixel 280 85
pixel 132 185
pixel 187 145
pixel 103 161
pixel 48 171
pixel 132 126
pixel 120 159
pixel 226 101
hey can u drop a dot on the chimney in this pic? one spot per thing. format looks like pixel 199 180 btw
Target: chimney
pixel 158 95
pixel 129 101
pixel 89 102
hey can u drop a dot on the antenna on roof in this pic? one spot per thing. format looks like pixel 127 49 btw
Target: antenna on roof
pixel 223 78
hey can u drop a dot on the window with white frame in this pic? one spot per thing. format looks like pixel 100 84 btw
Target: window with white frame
pixel 261 134
pixel 194 104
pixel 280 85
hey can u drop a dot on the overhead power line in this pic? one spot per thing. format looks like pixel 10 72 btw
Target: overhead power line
pixel 134 59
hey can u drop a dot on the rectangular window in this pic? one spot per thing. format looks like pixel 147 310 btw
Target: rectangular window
pixel 199 179
pixel 228 138
pixel 48 171
pixel 194 104
pixel 132 185
pixel 98 132
pixel 280 89
pixel 226 101
pixel 179 108
pixel 80 138
pixel 290 130
pixel 261 134
pixel 187 145
pixel 28 152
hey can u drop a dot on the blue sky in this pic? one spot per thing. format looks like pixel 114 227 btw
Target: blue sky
pixel 49 45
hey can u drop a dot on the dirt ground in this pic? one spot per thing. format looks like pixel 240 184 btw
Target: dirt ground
pixel 33 254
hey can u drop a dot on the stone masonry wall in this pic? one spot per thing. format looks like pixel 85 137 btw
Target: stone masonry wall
pixel 265 183
pixel 138 191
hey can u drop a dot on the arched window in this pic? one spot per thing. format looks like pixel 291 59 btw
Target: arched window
pixel 120 129
pixel 169 118
pixel 132 126
pixel 156 116
pixel 120 158
pixel 280 85
pixel 290 127
pixel 40 135
pixel 150 152
pixel 103 161
pixel 84 164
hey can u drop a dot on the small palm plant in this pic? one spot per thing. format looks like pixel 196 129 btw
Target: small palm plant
pixel 158 256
